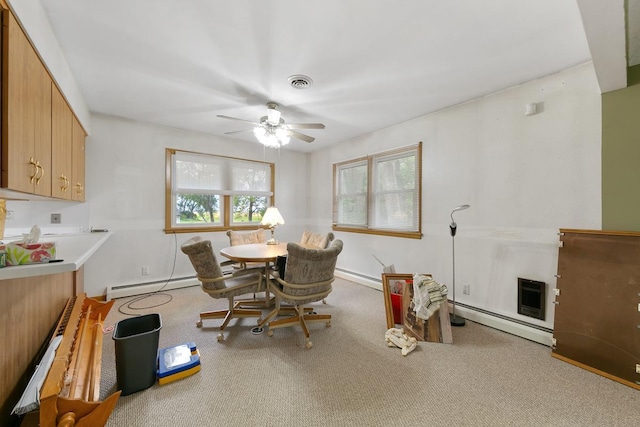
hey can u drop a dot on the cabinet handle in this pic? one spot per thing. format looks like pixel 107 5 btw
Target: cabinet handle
pixel 79 188
pixel 35 169
pixel 41 172
pixel 65 183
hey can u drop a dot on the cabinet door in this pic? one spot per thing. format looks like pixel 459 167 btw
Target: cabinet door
pixel 18 157
pixel 26 148
pixel 78 159
pixel 61 146
pixel 40 88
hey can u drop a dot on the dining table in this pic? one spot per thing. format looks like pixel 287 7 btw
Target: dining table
pixel 256 253
pixel 260 252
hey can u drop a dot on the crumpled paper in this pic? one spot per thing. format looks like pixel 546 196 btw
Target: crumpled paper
pixel 33 236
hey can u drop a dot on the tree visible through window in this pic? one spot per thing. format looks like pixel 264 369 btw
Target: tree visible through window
pixel 206 191
pixel 380 194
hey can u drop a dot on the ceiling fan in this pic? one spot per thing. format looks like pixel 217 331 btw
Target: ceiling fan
pixel 272 131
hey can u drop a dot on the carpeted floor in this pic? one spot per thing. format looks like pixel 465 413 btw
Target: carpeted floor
pixel 351 378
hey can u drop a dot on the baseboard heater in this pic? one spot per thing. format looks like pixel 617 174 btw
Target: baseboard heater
pixel 122 291
pixel 498 321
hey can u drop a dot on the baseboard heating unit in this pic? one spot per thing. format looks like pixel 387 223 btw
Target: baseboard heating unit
pixel 122 291
pixel 510 325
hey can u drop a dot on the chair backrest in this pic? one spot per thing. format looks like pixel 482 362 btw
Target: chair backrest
pixel 306 265
pixel 246 237
pixel 204 261
pixel 319 240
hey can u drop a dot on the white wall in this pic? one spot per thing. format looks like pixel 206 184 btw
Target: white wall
pixel 33 19
pixel 126 190
pixel 524 177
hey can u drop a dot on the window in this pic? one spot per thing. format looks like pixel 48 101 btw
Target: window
pixel 209 193
pixel 380 194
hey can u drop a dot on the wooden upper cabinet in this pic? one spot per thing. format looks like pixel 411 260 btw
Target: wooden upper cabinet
pixel 61 146
pixel 26 114
pixel 78 161
pixel 42 141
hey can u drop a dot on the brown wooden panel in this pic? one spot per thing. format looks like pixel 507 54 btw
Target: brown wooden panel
pixel 596 316
pixel 29 308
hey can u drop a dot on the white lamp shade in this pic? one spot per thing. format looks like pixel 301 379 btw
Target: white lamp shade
pixel 273 116
pixel 272 217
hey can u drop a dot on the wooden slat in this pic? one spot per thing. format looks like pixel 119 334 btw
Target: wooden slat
pixel 78 365
pixel 54 381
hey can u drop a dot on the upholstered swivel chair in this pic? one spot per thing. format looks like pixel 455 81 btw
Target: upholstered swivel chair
pixel 219 285
pixel 317 240
pixel 308 276
pixel 245 238
pixel 311 239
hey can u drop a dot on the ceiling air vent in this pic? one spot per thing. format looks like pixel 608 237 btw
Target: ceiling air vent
pixel 299 81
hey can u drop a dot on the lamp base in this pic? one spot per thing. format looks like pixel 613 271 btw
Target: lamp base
pixel 271 242
pixel 456 320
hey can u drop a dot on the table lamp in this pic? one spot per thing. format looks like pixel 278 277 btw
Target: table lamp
pixel 272 219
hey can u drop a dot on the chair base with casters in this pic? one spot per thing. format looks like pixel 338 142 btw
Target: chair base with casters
pixel 235 309
pixel 280 310
pixel 303 315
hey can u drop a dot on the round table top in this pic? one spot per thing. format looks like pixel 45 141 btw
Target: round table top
pixel 254 252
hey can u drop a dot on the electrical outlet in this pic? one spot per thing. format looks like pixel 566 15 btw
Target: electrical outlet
pixel 145 270
pixel 9 216
pixel 56 218
pixel 466 288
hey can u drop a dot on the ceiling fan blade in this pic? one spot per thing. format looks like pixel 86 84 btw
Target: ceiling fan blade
pixel 301 136
pixel 238 131
pixel 234 118
pixel 305 125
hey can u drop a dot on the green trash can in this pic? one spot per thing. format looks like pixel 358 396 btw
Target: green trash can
pixel 136 345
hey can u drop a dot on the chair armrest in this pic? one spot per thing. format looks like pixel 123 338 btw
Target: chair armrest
pixel 283 289
pixel 228 278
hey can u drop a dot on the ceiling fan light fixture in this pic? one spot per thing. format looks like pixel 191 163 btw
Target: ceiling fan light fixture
pixel 259 132
pixel 271 131
pixel 273 116
pixel 271 137
pixel 282 135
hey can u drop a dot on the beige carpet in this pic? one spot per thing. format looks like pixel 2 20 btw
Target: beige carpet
pixel 351 378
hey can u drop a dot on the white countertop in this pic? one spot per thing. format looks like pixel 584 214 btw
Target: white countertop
pixel 73 249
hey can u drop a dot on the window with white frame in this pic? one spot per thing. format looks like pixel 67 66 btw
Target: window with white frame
pixel 208 192
pixel 380 193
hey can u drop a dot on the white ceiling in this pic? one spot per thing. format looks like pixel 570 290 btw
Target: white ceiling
pixel 374 63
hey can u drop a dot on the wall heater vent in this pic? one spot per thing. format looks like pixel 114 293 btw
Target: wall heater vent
pixel 531 298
